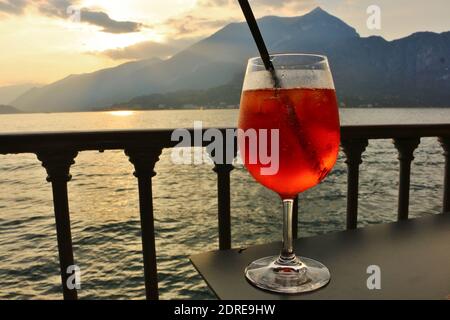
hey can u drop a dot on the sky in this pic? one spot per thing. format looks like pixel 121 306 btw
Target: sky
pixel 42 41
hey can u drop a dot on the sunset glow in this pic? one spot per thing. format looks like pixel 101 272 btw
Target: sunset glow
pixel 42 42
pixel 121 113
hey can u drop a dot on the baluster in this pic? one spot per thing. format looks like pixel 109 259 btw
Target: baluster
pixel 223 167
pixel 223 197
pixel 144 161
pixel 445 143
pixel 57 164
pixel 405 147
pixel 353 149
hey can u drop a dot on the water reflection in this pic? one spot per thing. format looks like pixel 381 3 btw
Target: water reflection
pixel 121 113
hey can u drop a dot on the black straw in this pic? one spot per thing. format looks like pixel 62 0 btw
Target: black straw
pixel 256 33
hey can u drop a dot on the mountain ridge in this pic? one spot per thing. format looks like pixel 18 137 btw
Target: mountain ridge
pixel 11 92
pixel 5 109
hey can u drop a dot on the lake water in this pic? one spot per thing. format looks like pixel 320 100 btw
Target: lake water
pixel 104 204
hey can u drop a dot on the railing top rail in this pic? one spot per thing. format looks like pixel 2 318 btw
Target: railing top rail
pixel 31 142
pixel 395 131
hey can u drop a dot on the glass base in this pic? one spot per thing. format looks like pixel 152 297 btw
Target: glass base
pixel 297 276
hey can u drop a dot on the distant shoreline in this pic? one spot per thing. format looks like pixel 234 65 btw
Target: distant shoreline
pixel 106 110
pixel 16 111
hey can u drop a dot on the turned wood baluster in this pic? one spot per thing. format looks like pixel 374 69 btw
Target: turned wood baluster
pixel 405 147
pixel 144 161
pixel 353 149
pixel 57 164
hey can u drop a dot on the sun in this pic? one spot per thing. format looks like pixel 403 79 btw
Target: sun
pixel 101 41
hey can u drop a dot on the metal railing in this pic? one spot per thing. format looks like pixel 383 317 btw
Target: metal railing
pixel 57 152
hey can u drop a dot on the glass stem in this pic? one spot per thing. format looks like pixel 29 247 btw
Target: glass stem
pixel 287 255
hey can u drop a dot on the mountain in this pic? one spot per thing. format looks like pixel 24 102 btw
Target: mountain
pixel 224 96
pixel 10 93
pixel 409 72
pixel 7 109
pixel 78 92
pixel 413 71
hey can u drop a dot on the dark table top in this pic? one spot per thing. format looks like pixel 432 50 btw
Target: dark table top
pixel 413 256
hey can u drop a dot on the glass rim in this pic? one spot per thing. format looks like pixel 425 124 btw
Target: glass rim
pixel 321 58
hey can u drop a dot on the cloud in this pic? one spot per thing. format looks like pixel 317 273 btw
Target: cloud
pixel 192 25
pixel 261 4
pixel 15 7
pixel 209 15
pixel 148 49
pixel 285 6
pixel 213 3
pixel 64 9
pixel 109 25
pixel 204 18
pixel 57 8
